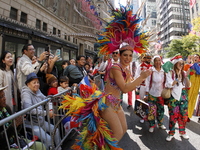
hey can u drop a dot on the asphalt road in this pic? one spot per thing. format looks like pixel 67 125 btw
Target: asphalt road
pixel 139 138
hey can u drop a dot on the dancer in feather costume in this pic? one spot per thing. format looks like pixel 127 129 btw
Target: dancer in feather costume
pixel 102 117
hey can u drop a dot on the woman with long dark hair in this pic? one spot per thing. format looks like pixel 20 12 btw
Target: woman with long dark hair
pixel 7 78
pixel 118 82
pixel 178 102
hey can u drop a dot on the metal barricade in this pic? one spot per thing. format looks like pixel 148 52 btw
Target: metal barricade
pixel 27 129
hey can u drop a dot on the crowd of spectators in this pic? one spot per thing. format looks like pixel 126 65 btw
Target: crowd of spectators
pixel 33 78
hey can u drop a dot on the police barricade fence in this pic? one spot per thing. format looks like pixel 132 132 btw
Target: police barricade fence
pixel 27 132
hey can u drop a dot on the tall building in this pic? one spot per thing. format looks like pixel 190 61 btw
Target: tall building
pixel 135 4
pixel 68 25
pixel 174 19
pixel 149 13
pixel 194 9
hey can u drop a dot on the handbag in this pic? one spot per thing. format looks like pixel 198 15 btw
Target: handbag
pixel 166 93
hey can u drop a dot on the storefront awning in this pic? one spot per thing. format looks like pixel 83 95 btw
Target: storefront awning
pixel 30 31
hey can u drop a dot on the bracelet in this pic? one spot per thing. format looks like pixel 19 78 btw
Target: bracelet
pixel 40 61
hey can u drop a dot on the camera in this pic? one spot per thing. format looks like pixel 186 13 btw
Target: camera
pixel 47 49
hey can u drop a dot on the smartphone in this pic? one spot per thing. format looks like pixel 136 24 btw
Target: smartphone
pixel 47 49
pixel 58 53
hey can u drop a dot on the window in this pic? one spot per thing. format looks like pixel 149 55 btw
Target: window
pixel 13 13
pixel 23 17
pixel 68 38
pixel 54 30
pixel 153 15
pixel 74 40
pixel 65 36
pixel 153 22
pixel 41 2
pixel 66 55
pixel 38 24
pixel 59 34
pixel 44 28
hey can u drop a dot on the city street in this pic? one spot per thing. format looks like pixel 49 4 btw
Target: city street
pixel 139 138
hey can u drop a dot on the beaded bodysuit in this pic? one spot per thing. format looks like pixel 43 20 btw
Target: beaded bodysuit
pixel 111 88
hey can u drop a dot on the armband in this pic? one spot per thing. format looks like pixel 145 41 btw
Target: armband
pixel 40 62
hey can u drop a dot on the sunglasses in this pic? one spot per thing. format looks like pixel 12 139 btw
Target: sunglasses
pixel 115 53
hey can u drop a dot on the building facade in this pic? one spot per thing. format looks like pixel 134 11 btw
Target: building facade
pixel 103 9
pixel 68 25
pixel 194 9
pixel 174 19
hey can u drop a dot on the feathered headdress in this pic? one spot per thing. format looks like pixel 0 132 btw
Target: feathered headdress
pixel 124 28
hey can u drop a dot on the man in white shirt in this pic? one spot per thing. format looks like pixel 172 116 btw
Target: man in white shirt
pixel 25 66
pixel 143 66
pixel 146 60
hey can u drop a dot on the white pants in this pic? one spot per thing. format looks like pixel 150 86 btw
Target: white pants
pixel 142 91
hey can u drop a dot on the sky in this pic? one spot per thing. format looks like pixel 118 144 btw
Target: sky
pixel 123 2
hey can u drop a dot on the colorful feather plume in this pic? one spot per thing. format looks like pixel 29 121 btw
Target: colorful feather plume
pixel 95 132
pixel 124 28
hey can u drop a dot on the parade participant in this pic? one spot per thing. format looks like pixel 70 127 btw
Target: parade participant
pixel 154 87
pixel 198 110
pixel 178 102
pixel 146 64
pixel 194 75
pixel 103 118
pixel 110 62
pixel 117 83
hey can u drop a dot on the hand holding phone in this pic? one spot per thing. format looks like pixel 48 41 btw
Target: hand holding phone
pixel 58 53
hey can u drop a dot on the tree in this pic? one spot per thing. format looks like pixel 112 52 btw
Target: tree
pixel 191 43
pixel 196 24
pixel 187 45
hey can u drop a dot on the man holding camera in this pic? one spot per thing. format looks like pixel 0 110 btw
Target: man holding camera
pixel 25 66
